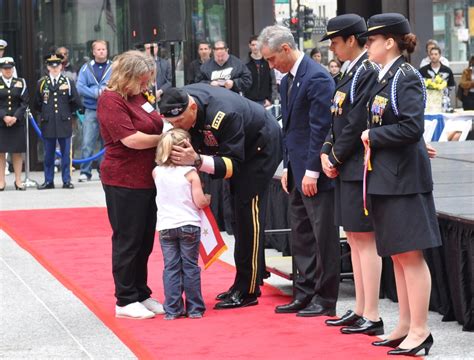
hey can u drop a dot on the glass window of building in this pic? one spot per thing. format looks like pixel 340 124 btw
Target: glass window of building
pixel 452 28
pixel 75 24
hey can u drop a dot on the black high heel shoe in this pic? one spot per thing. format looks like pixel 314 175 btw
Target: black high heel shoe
pixel 21 187
pixel 425 345
pixel 390 343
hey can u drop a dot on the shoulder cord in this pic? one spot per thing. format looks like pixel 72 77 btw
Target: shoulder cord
pixel 394 89
pixel 356 77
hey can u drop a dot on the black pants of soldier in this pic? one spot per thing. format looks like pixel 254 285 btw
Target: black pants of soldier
pixel 249 243
pixel 315 247
pixel 132 216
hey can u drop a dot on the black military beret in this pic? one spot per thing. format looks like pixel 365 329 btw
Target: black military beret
pixel 390 23
pixel 345 25
pixel 173 102
pixel 7 62
pixel 53 59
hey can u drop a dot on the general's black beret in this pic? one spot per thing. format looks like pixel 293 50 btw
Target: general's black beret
pixel 390 23
pixel 173 102
pixel 345 25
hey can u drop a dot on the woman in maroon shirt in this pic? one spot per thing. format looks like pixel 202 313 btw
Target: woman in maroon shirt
pixel 131 128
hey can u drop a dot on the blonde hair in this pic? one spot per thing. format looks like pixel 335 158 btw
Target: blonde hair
pixel 95 42
pixel 127 70
pixel 165 146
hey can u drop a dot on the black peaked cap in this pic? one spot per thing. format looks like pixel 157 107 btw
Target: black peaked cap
pixel 345 25
pixel 390 23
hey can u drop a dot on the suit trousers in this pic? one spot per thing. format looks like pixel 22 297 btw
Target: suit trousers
pixel 49 155
pixel 249 242
pixel 132 216
pixel 315 247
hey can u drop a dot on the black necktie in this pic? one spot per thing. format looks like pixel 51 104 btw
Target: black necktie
pixel 54 82
pixel 290 85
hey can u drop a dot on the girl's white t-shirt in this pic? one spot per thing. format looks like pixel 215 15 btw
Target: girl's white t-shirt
pixel 174 199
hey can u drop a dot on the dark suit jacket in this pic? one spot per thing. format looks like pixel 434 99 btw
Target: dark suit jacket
pixel 349 119
pixel 400 163
pixel 306 120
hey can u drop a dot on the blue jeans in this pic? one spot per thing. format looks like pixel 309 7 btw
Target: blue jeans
pixel 49 155
pixel 90 136
pixel 180 249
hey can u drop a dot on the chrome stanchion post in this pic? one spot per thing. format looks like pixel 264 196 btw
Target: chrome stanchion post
pixel 28 182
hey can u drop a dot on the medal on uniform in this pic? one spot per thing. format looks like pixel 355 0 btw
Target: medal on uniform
pixel 46 95
pixel 209 138
pixel 339 98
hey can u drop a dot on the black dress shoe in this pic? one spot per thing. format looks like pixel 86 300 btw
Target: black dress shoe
pixel 46 185
pixel 22 187
pixel 390 343
pixel 316 310
pixel 348 319
pixel 68 185
pixel 226 294
pixel 425 345
pixel 293 307
pixel 364 326
pixel 236 300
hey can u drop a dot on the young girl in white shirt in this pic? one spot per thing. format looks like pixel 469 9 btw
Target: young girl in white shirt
pixel 179 200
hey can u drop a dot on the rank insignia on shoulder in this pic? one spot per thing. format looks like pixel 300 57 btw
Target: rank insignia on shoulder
pixel 63 87
pixel 19 84
pixel 216 122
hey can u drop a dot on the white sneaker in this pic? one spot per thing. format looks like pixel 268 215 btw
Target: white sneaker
pixel 153 305
pixel 84 178
pixel 133 311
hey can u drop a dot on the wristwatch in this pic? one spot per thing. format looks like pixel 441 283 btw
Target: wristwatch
pixel 197 161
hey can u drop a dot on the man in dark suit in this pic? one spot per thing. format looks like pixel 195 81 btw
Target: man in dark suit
pixel 306 99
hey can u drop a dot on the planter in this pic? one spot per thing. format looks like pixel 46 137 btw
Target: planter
pixel 434 101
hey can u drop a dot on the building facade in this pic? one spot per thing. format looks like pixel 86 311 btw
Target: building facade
pixel 33 28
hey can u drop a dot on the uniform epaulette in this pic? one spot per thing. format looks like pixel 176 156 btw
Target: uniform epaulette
pixel 405 69
pixel 366 65
pixel 370 65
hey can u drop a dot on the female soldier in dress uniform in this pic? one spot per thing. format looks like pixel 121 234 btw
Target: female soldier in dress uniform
pixel 13 103
pixel 56 99
pixel 342 156
pixel 400 183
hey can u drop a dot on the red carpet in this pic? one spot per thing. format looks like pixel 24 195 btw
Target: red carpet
pixel 74 245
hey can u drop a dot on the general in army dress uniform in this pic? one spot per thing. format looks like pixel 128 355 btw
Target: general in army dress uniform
pixel 400 183
pixel 13 103
pixel 56 99
pixel 342 156
pixel 239 141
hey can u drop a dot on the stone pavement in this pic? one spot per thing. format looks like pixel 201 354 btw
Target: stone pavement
pixel 41 319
